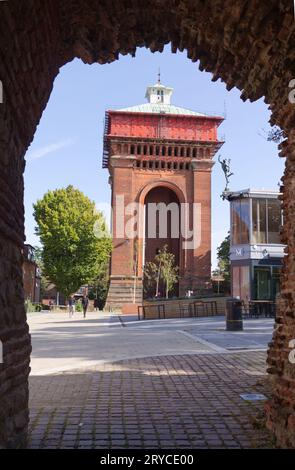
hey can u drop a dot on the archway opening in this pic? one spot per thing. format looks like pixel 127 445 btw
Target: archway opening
pixel 162 231
pixel 227 45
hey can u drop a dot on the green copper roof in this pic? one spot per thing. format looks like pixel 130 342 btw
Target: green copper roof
pixel 161 108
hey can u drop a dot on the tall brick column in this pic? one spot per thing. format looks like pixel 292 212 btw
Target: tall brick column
pixel 199 265
pixel 29 62
pixel 122 270
pixel 281 408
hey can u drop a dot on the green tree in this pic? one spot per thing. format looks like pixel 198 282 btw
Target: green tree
pixel 38 254
pixel 151 276
pixel 162 269
pixel 74 236
pixel 223 254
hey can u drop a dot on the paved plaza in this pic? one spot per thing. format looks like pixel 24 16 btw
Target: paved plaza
pixel 110 382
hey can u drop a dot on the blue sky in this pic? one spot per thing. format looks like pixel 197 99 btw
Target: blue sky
pixel 67 148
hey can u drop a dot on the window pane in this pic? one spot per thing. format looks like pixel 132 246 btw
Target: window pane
pixel 245 282
pixel 244 221
pixel 240 222
pixel 276 273
pixel 235 222
pixel 262 278
pixel 274 220
pixel 236 281
pixel 259 220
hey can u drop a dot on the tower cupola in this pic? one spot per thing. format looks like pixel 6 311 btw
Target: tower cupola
pixel 159 93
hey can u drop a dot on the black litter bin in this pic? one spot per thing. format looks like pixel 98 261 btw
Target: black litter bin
pixel 234 319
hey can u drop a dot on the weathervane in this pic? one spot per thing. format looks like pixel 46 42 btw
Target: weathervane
pixel 159 76
pixel 225 166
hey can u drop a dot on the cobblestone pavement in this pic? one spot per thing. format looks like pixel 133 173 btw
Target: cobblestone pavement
pixel 183 401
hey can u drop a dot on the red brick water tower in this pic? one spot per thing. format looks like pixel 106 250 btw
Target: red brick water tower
pixel 159 153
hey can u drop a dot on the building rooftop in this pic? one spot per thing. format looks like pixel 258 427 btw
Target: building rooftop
pixel 161 108
pixel 251 192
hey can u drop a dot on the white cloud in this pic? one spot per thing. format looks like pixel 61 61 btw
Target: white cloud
pixel 43 151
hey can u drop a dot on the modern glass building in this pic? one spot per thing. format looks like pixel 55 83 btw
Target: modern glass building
pixel 256 252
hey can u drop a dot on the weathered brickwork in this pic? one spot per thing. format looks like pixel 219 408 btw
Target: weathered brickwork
pixel 248 44
pixel 281 409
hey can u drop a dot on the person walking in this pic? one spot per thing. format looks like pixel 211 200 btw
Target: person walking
pixel 96 304
pixel 71 306
pixel 85 302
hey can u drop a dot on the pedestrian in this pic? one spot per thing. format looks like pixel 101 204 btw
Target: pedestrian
pixel 96 306
pixel 85 302
pixel 71 306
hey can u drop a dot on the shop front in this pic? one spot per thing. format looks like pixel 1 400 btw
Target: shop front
pixel 256 253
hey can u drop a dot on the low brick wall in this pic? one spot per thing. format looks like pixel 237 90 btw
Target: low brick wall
pixel 173 307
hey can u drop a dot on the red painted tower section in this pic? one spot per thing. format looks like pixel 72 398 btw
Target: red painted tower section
pixel 158 152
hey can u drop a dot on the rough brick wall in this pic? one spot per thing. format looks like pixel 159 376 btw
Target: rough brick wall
pixel 27 70
pixel 281 409
pixel 248 44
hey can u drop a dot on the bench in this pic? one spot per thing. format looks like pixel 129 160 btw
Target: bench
pixel 142 311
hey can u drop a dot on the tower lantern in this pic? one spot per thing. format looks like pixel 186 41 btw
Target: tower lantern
pixel 159 94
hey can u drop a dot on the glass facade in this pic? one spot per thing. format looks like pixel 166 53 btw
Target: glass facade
pixel 259 220
pixel 266 282
pixel 274 220
pixel 256 220
pixel 266 220
pixel 241 282
pixel 262 283
pixel 240 217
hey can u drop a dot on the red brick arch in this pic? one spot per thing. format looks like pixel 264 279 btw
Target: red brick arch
pixel 249 45
pixel 142 194
pixel 158 183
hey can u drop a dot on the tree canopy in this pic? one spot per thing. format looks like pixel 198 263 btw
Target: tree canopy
pixel 223 256
pixel 75 239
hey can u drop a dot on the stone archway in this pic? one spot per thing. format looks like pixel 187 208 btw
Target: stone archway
pixel 249 45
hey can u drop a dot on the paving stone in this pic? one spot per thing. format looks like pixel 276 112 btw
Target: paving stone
pixel 211 414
